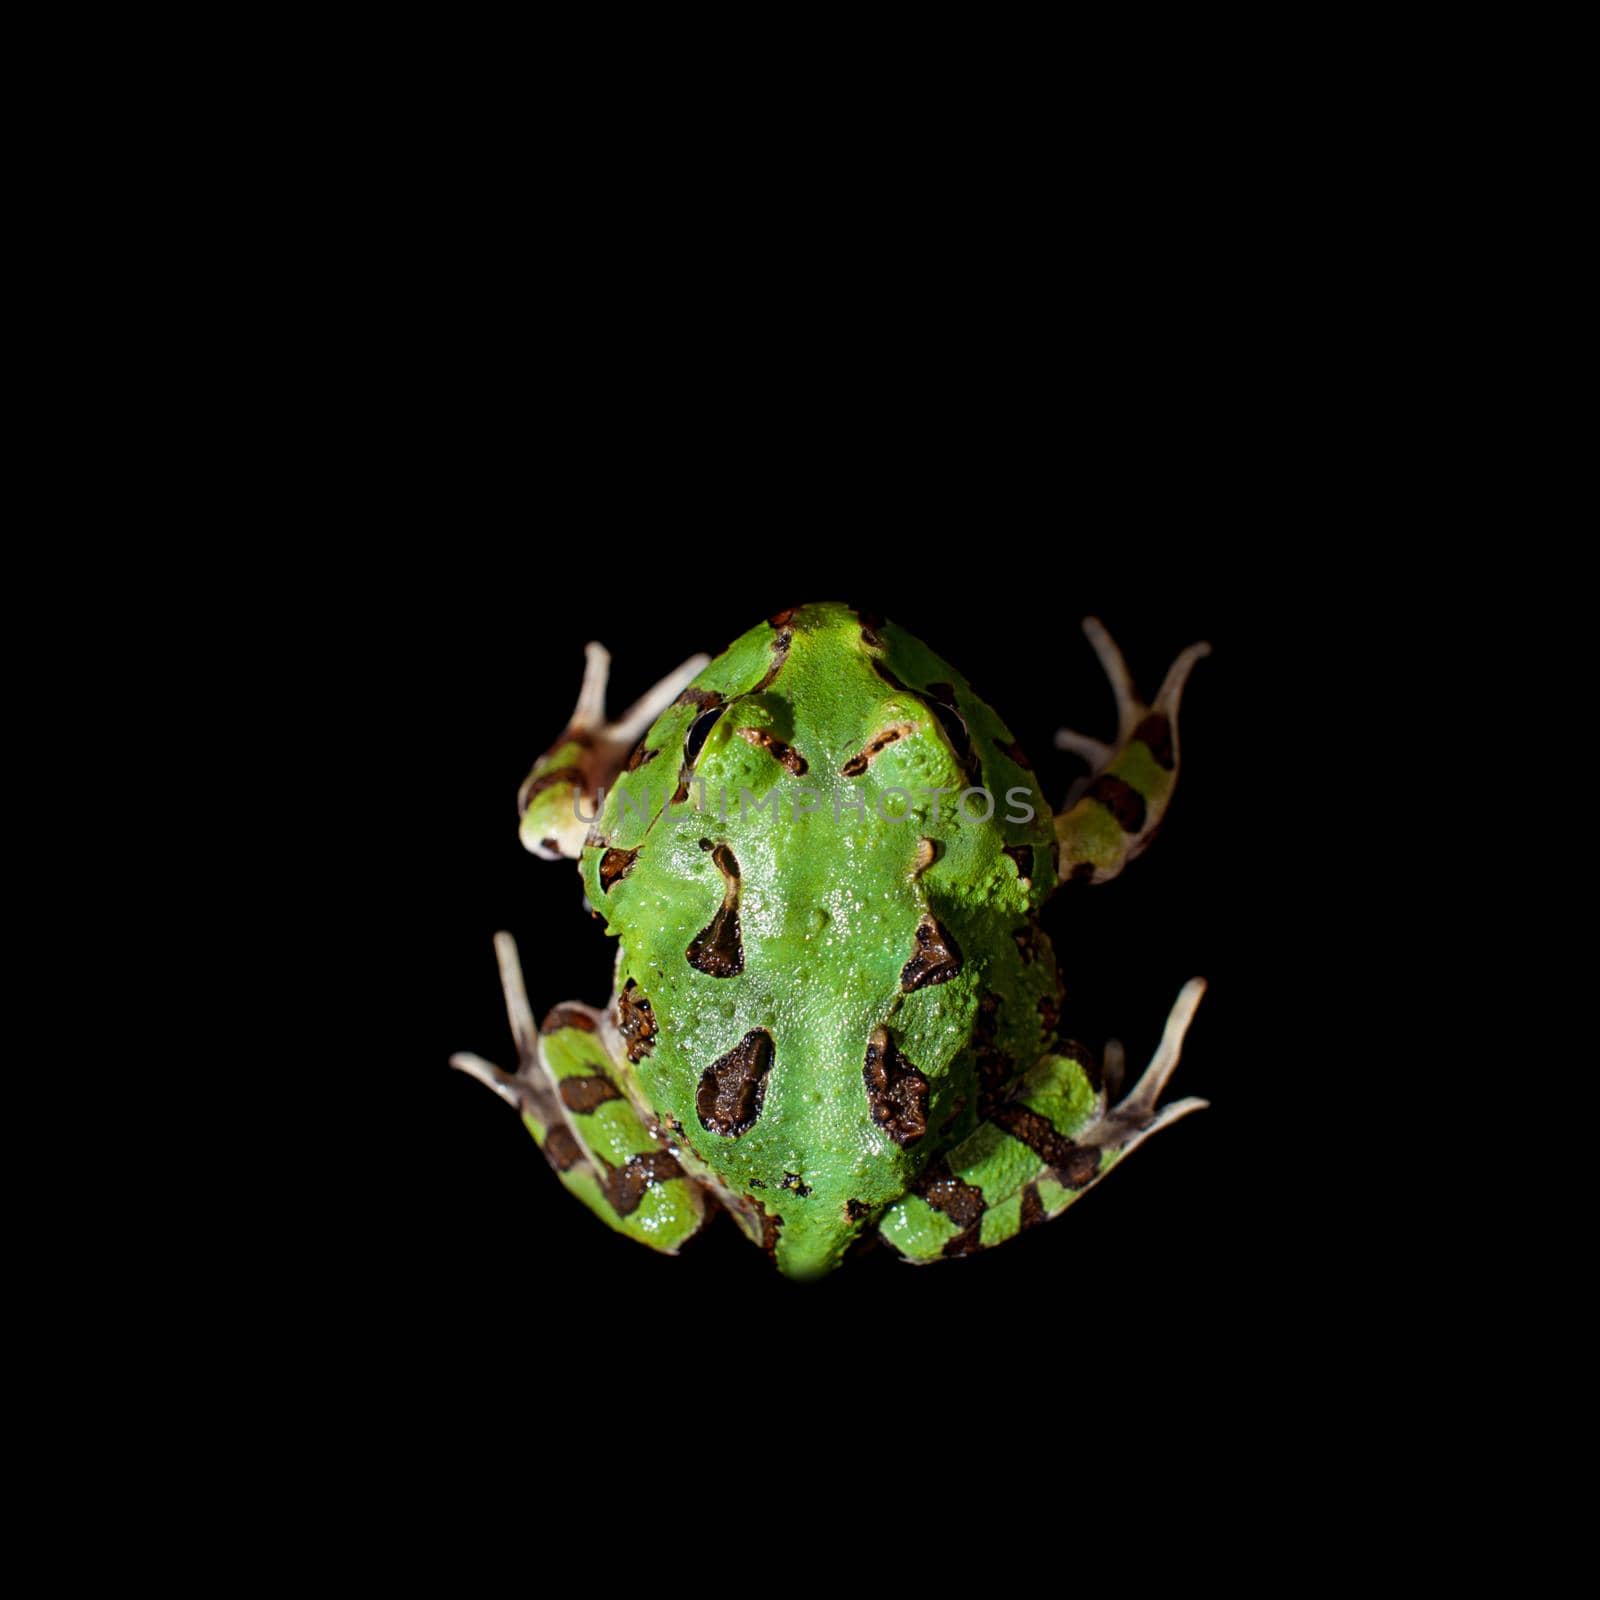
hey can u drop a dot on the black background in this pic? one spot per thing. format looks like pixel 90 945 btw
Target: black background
pixel 456 1229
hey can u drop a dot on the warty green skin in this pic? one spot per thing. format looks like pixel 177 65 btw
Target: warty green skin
pixel 828 913
pixel 785 863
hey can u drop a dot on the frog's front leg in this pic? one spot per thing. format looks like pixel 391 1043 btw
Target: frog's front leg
pixel 560 796
pixel 1052 1140
pixel 571 1091
pixel 1114 813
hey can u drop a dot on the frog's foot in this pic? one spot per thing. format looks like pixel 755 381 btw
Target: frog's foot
pixel 1111 815
pixel 572 1093
pixel 559 798
pixel 1052 1141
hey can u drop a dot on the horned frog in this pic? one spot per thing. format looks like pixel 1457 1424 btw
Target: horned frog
pixel 834 1015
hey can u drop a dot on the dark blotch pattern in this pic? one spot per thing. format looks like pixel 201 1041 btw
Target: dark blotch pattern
pixel 897 1092
pixel 615 864
pixel 585 1094
pixel 1123 801
pixel 718 949
pixel 547 780
pixel 1032 1206
pixel 1028 939
pixel 995 1068
pixel 794 1182
pixel 636 1022
pixel 962 1202
pixel 564 1152
pixel 1022 854
pixel 566 1017
pixel 856 765
pixel 1156 731
pixel 780 654
pixel 938 958
pixel 625 1185
pixel 641 756
pixel 1074 1164
pixel 732 1087
pixel 785 755
pixel 856 1210
pixel 965 1243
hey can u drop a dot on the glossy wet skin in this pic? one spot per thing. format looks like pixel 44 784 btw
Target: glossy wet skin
pixel 830 1000
pixel 834 1010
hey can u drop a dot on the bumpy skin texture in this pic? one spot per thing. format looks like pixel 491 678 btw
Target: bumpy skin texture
pixel 829 1001
pixel 835 1010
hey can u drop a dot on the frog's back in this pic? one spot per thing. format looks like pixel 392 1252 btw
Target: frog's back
pixel 812 956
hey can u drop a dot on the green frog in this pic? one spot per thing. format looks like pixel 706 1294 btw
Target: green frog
pixel 835 1013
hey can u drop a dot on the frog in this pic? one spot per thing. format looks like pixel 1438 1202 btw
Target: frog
pixel 835 1013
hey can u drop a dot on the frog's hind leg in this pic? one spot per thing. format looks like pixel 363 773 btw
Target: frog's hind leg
pixel 1053 1140
pixel 1112 814
pixel 572 1095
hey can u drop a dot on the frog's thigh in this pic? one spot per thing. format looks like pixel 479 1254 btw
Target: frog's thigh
pixel 572 1098
pixel 1053 1140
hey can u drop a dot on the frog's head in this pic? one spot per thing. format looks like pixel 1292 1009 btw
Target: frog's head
pixel 560 797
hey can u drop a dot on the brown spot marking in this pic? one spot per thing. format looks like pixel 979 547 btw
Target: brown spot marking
pixel 625 1185
pixel 566 1017
pixel 855 1210
pixel 552 845
pixel 1082 872
pixel 615 864
pixel 1074 1164
pixel 585 1094
pixel 1049 1014
pixel 563 1150
pixel 717 949
pixel 1027 938
pixel 897 1092
pixel 704 698
pixel 966 1243
pixel 732 1087
pixel 682 793
pixel 1017 754
pixel 1022 854
pixel 938 958
pixel 888 677
pixel 1032 1206
pixel 636 1022
pixel 782 619
pixel 785 755
pixel 769 1230
pixel 856 765
pixel 1123 801
pixel 641 756
pixel 780 654
pixel 962 1202
pixel 792 1180
pixel 928 851
pixel 1156 732
pixel 537 786
pixel 995 1068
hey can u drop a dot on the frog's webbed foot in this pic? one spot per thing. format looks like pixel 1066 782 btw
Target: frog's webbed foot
pixel 1113 813
pixel 1053 1140
pixel 558 798
pixel 572 1093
